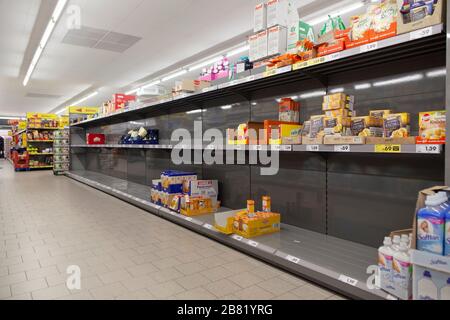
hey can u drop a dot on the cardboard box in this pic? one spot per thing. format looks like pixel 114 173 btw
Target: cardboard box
pixel 263 223
pixel 270 125
pixel 277 13
pixel 337 125
pixel 340 113
pixel 253 50
pixel 317 125
pixel 289 110
pixel 277 40
pixel 379 140
pixel 309 141
pixel 298 31
pixel 407 24
pixel 330 48
pixel 262 44
pixel 285 134
pixel 396 125
pixel 432 127
pixel 260 17
pixel 366 126
pixel 250 133
pixel 223 221
pixel 343 140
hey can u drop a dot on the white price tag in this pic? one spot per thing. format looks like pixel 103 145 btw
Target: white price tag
pixel 428 148
pixel 293 259
pixel 250 78
pixel 342 148
pixel 334 56
pixel 211 147
pixel 422 33
pixel 255 148
pixel 276 148
pixel 284 69
pixel 369 47
pixel 236 237
pixel 188 219
pixel 286 148
pixel 313 148
pixel 348 280
pixel 253 243
pixel 240 147
pixel 208 226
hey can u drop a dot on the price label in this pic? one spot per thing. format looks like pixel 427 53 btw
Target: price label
pixel 250 78
pixel 293 259
pixel 240 147
pixel 188 219
pixel 422 33
pixel 428 148
pixel 256 148
pixel 348 280
pixel 315 61
pixel 253 243
pixel 284 69
pixel 388 148
pixel 313 148
pixel 211 147
pixel 276 148
pixel 236 237
pixel 342 148
pixel 369 47
pixel 208 226
pixel 270 73
pixel 286 148
pixel 334 56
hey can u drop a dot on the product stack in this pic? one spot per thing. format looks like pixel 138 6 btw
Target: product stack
pixel 183 193
pixel 61 156
pixel 417 266
pixel 249 223
pixel 141 136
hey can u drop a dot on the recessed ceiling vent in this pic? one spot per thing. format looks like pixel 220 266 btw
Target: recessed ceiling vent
pixel 100 39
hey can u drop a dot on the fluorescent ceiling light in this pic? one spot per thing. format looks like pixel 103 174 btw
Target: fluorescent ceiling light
pixel 205 63
pixel 338 12
pixel 254 103
pixel 294 97
pixel 312 94
pixel 132 91
pixel 238 51
pixel 227 107
pixel 174 75
pixel 45 37
pixel 195 111
pixel 86 98
pixel 363 86
pixel 12 118
pixel 437 73
pixel 414 77
pixel 337 90
pixel 61 111
pixel 151 84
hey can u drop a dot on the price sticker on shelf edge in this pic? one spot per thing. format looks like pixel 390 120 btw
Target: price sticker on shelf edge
pixel 236 237
pixel 334 56
pixel 270 73
pixel 276 148
pixel 252 243
pixel 422 33
pixel 342 148
pixel 388 148
pixel 348 280
pixel 428 148
pixel 188 219
pixel 286 148
pixel 293 259
pixel 313 148
pixel 208 226
pixel 369 47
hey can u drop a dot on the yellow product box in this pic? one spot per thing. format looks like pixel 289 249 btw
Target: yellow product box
pixel 286 134
pixel 396 125
pixel 336 125
pixel 338 97
pixel 432 126
pixel 380 114
pixel 366 126
pixel 258 224
pixel 317 124
pixel 340 113
pixel 197 206
pixel 335 105
pixel 223 221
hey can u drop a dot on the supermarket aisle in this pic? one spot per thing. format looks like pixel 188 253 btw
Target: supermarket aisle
pixel 48 223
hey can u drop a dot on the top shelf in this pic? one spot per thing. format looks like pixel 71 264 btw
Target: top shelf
pixel 413 44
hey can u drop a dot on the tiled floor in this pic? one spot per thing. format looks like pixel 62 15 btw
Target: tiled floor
pixel 49 223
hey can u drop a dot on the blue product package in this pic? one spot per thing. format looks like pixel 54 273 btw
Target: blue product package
pixel 430 228
pixel 447 233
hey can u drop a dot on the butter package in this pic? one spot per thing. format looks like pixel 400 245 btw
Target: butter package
pixel 286 134
pixel 340 113
pixel 338 97
pixel 316 126
pixel 175 202
pixel 432 127
pixel 336 125
pixel 380 114
pixel 396 125
pixel 338 101
pixel 306 128
pixel 366 126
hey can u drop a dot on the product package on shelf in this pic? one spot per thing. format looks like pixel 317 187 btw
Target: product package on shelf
pixel 432 127
pixel 419 14
pixel 384 20
pixel 61 155
pixel 260 17
pixel 201 198
pixel 277 13
pixel 250 133
pixel 141 136
pixel 95 139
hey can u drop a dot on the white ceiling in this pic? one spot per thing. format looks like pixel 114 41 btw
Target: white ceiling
pixel 171 31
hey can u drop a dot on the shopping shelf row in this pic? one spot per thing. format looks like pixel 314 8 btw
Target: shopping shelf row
pixel 374 46
pixel 364 148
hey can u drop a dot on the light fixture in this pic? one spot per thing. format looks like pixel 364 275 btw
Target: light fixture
pixel 414 77
pixel 437 73
pixel 337 90
pixel 362 86
pixel 228 107
pixel 45 37
pixel 294 97
pixel 205 63
pixel 254 103
pixel 195 111
pixel 85 98
pixel 12 118
pixel 61 111
pixel 312 94
pixel 132 91
pixel 174 75
pixel 336 13
pixel 238 51
pixel 151 84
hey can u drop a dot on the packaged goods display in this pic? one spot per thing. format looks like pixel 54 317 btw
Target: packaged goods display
pixel 95 139
pixel 61 157
pixel 432 127
pixel 250 133
pixel 289 110
pixel 396 125
pixel 414 14
pixel 141 136
pixel 277 13
pixel 39 135
pixel 260 17
pixel 219 70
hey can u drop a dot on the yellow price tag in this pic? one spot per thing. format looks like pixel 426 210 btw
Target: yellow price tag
pixel 300 65
pixel 270 73
pixel 388 148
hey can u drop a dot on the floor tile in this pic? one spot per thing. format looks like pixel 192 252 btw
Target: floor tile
pixel 51 293
pixel 28 286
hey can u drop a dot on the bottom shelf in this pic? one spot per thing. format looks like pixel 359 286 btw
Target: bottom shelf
pixel 334 263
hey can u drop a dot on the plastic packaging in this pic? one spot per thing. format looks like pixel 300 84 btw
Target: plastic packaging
pixel 402 273
pixel 430 225
pixel 445 291
pixel 426 287
pixel 385 258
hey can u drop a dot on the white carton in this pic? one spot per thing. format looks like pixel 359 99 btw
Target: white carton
pixel 277 13
pixel 204 188
pixel 277 39
pixel 260 17
pixel 253 50
pixel 431 275
pixel 262 42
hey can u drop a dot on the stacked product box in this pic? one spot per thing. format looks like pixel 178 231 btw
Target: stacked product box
pixel 61 154
pixel 183 193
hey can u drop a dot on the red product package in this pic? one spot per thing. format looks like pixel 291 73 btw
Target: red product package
pixel 95 139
